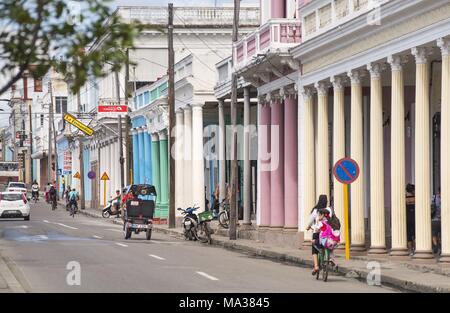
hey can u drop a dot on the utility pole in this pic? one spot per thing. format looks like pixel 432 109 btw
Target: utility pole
pixel 30 135
pixel 233 200
pixel 121 159
pixel 128 147
pixel 50 123
pixel 81 158
pixel 171 103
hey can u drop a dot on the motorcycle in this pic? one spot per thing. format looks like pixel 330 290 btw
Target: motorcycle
pixel 196 226
pixel 108 210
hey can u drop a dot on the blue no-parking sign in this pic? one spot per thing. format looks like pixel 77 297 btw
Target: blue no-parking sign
pixel 346 170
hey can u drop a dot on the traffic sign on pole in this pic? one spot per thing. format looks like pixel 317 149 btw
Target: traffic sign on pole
pixel 346 171
pixel 77 175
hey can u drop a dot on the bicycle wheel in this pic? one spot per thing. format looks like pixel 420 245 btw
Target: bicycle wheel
pixel 326 262
pixel 203 234
pixel 319 261
pixel 223 219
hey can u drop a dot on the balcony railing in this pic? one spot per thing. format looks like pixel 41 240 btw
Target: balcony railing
pixel 275 34
pixel 189 16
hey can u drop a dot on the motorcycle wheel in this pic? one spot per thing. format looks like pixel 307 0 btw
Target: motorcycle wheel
pixel 203 233
pixel 148 235
pixel 127 233
pixel 105 214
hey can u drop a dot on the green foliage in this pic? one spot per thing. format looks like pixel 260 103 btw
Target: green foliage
pixel 36 35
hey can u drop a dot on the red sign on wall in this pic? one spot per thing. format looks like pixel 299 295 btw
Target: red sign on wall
pixel 113 109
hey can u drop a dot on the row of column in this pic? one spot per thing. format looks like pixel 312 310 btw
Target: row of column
pixel 278 171
pixel 422 153
pixel 150 162
pixel 189 161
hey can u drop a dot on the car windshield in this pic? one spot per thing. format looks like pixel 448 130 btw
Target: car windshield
pixel 17 185
pixel 11 197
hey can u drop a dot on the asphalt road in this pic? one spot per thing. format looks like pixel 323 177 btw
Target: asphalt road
pixel 39 251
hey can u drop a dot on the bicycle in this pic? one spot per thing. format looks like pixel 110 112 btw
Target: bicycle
pixel 325 264
pixel 54 204
pixel 73 209
pixel 224 215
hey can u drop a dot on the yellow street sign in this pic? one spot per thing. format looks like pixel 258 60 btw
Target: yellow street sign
pixel 104 176
pixel 69 118
pixel 77 175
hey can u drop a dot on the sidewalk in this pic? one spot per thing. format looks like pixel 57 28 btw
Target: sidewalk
pixel 405 274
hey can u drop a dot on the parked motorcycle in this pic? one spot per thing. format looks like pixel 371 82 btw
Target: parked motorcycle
pixel 196 226
pixel 108 210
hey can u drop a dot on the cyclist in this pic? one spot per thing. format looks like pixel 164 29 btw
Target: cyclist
pixel 73 197
pixel 52 196
pixel 35 190
pixel 313 221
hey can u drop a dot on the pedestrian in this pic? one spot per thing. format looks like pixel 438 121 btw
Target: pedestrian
pixel 410 217
pixel 436 221
pixel 206 201
pixel 216 200
pixel 313 224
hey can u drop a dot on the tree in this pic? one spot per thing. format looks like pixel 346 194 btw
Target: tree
pixel 36 35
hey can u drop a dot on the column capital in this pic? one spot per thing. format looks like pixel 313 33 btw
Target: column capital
pixel 397 62
pixel 337 82
pixel 162 134
pixel 197 105
pixel 322 88
pixel 421 54
pixel 375 69
pixel 220 103
pixel 444 45
pixel 155 137
pixel 186 108
pixel 306 92
pixel 269 98
pixel 355 76
pixel 179 111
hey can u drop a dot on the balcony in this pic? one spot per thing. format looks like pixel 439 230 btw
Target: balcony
pixel 190 16
pixel 277 35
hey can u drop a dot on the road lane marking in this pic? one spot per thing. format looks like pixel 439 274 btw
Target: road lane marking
pixel 61 224
pixel 207 276
pixel 121 244
pixel 116 230
pixel 45 221
pixel 157 257
pixel 97 237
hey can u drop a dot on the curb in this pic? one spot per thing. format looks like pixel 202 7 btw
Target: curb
pixel 359 274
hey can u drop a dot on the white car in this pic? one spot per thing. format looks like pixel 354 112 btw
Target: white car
pixel 17 187
pixel 14 205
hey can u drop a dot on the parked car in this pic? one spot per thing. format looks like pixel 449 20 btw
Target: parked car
pixel 17 187
pixel 14 205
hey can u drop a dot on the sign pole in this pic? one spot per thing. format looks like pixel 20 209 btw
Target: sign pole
pixel 347 239
pixel 104 192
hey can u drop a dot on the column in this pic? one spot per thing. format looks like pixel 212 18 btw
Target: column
pixel 141 156
pixel 247 177
pixel 277 165
pixel 290 165
pixel 398 202
pixel 164 170
pixel 338 144
pixel 108 170
pixel 422 152
pixel 198 168
pixel 222 154
pixel 102 170
pixel 156 168
pixel 135 157
pixel 356 152
pixel 278 8
pixel 323 162
pixel 377 221
pixel 179 168
pixel 307 160
pixel 444 44
pixel 113 175
pixel 187 195
pixel 147 158
pixel 264 164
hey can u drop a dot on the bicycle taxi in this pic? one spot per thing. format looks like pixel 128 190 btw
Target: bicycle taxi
pixel 138 216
